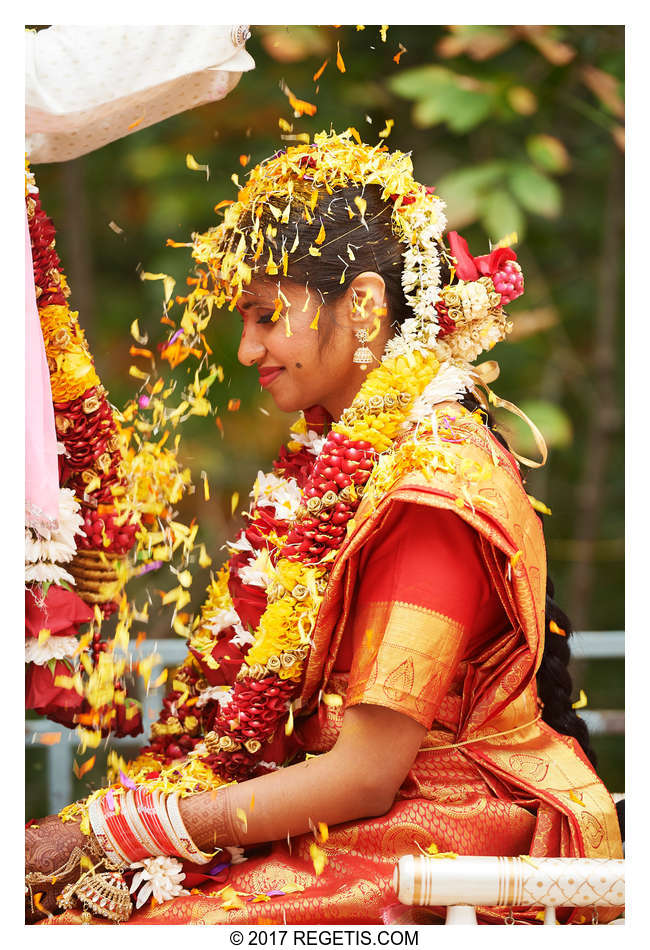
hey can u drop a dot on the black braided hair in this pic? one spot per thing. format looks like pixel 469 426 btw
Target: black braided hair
pixel 554 683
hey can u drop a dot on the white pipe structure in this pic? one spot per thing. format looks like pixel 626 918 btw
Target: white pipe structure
pixel 462 883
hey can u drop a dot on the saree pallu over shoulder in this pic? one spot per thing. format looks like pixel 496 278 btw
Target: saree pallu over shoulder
pixel 495 720
pixel 465 471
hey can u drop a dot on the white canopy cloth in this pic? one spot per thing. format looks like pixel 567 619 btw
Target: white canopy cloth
pixel 86 86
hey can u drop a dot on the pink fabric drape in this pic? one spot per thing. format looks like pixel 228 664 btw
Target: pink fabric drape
pixel 41 466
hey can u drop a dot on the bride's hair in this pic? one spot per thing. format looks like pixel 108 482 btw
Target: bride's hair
pixel 351 248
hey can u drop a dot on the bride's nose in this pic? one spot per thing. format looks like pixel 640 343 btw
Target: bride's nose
pixel 251 348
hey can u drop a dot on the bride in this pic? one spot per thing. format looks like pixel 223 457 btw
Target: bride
pixel 380 666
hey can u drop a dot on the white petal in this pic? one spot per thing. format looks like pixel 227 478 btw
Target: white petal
pixel 143 894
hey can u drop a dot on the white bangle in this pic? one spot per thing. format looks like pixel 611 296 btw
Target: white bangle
pixel 160 801
pixel 181 835
pixel 103 835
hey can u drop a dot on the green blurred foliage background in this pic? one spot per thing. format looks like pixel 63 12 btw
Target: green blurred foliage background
pixel 519 128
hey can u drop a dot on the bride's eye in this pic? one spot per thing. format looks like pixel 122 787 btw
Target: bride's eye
pixel 265 318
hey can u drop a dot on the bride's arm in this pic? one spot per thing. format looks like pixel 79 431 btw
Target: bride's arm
pixel 358 778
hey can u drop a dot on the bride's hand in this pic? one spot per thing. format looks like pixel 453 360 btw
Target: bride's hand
pixel 49 844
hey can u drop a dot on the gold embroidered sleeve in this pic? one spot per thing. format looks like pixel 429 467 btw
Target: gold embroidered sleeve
pixel 405 657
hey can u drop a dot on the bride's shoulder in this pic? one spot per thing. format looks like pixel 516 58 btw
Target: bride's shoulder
pixel 450 445
pixel 449 431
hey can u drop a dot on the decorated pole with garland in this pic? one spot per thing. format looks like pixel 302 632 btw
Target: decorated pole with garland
pixel 99 533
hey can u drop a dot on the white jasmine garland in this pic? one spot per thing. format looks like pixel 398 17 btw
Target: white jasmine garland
pixel 450 382
pixel 222 618
pixel 228 617
pixel 60 545
pixel 242 637
pixel 44 572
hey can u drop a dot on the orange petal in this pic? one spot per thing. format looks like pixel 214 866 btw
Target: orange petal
pixel 319 72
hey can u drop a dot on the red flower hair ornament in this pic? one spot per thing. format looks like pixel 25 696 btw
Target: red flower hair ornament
pixel 501 265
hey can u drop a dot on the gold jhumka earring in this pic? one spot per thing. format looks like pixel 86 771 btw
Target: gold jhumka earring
pixel 363 355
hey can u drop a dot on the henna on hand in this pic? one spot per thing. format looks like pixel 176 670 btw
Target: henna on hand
pixel 48 847
pixel 208 819
pixel 49 844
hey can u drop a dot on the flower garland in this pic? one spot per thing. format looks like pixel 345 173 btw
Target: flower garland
pixel 230 712
pixel 92 544
pixel 90 464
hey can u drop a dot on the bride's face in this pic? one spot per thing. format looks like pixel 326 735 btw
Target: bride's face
pixel 301 366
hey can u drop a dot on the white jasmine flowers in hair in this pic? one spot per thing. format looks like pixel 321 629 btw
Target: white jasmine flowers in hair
pixel 159 878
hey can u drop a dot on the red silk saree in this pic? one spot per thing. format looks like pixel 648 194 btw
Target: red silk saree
pixel 435 608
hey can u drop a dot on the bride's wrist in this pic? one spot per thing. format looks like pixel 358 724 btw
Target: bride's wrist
pixel 208 817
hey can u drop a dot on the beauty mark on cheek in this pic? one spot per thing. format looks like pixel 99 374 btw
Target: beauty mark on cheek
pixel 298 365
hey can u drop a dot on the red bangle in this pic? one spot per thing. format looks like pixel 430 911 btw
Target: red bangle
pixel 149 817
pixel 121 831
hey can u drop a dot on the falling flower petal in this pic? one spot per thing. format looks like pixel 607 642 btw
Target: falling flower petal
pixel 80 771
pixel 317 75
pixel 318 857
pixel 194 166
pixel 299 106
pixel 126 781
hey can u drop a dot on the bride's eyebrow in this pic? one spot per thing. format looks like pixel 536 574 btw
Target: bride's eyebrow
pixel 249 304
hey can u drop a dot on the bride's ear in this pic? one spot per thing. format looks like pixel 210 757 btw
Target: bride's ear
pixel 364 300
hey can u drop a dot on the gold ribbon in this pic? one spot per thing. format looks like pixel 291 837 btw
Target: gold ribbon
pixel 486 373
pixel 492 735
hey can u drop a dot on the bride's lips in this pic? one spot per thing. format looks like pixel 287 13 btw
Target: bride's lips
pixel 268 374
